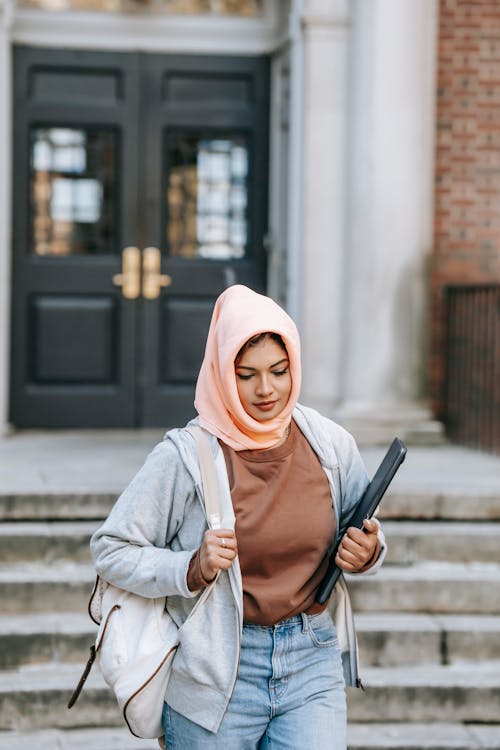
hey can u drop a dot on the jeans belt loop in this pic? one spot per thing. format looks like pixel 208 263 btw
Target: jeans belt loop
pixel 305 622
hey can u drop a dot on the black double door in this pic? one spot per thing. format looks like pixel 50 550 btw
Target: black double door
pixel 140 194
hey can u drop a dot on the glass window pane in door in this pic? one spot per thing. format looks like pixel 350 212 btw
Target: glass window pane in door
pixel 73 190
pixel 207 196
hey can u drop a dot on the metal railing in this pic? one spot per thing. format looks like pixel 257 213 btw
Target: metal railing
pixel 473 366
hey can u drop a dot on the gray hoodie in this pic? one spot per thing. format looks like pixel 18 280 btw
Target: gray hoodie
pixel 146 543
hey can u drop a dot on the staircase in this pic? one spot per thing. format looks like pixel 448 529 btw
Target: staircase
pixel 45 632
pixel 428 627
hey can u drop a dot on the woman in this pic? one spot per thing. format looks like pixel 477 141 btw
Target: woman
pixel 261 664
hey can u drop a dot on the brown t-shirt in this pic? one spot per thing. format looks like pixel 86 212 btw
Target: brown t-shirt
pixel 284 527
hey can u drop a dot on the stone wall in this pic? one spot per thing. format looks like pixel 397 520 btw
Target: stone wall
pixel 467 191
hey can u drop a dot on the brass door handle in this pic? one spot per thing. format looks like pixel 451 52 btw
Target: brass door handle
pixel 152 278
pixel 130 277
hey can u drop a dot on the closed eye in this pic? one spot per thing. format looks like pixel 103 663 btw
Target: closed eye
pixel 280 372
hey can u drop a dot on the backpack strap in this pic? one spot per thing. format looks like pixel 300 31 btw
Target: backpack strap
pixel 208 475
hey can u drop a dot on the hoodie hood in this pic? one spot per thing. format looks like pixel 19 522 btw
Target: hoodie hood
pixel 239 315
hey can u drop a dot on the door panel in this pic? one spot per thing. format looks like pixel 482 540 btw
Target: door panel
pixel 115 150
pixel 183 329
pixel 74 336
pixel 74 84
pixel 206 210
pixel 58 356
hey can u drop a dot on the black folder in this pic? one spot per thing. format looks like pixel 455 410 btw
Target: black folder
pixel 366 507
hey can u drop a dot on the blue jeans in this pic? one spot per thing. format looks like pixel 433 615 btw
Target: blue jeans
pixel 289 694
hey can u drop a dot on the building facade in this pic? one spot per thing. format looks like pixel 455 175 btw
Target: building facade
pixel 465 264
pixel 287 145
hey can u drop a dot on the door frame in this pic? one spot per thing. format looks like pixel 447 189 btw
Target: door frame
pixel 6 116
pixel 278 29
pixel 166 33
pixel 117 374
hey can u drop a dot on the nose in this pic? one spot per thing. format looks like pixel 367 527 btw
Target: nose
pixel 264 387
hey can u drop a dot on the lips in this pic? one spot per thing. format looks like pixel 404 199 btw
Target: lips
pixel 266 405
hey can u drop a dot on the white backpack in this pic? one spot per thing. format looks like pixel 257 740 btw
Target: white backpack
pixel 137 638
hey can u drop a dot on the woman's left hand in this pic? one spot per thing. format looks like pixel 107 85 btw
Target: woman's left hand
pixel 358 547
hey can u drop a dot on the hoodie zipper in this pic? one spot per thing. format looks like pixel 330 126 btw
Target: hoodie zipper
pixel 238 642
pixel 214 522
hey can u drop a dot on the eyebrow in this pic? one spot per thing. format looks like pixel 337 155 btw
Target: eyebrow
pixel 244 367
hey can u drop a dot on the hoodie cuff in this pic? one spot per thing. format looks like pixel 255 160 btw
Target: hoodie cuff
pixel 170 579
pixel 195 578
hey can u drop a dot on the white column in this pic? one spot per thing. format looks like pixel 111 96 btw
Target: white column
pixel 390 213
pixel 5 207
pixel 325 60
pixel 278 242
pixel 286 164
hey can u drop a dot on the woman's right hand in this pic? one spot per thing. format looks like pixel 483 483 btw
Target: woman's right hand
pixel 217 552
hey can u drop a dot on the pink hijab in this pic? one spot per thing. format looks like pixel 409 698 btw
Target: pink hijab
pixel 239 314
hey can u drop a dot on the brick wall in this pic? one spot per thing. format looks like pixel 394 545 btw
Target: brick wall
pixel 467 213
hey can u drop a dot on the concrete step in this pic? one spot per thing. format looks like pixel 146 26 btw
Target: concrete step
pixel 438 505
pixel 396 639
pixel 457 693
pixel 409 541
pixel 384 639
pixel 418 541
pixel 56 506
pixel 425 587
pixel 55 587
pixel 75 739
pixel 46 541
pixel 402 503
pixel 41 638
pixel 403 736
pixel 429 588
pixel 35 697
pixel 436 736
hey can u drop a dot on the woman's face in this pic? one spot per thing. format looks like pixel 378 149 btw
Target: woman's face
pixel 263 380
